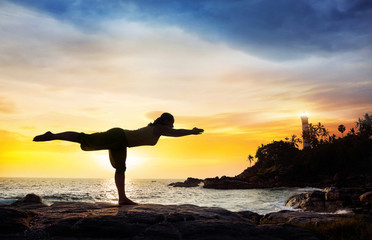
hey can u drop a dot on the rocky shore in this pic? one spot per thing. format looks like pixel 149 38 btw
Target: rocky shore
pixel 29 218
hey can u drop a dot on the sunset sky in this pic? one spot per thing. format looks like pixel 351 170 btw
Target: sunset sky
pixel 242 70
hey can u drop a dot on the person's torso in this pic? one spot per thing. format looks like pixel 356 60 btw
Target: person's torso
pixel 141 137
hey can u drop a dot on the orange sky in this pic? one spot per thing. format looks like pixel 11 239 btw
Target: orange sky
pixel 57 76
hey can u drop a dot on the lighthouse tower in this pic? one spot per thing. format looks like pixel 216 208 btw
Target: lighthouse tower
pixel 305 128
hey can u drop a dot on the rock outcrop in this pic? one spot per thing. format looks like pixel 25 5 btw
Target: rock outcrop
pixel 189 182
pixel 226 183
pixel 30 201
pixel 332 199
pixel 301 218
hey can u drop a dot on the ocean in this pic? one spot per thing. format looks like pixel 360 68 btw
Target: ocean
pixel 154 191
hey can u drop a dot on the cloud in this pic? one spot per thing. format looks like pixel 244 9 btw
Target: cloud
pixel 6 106
pixel 131 62
pixel 337 98
pixel 137 65
pixel 279 30
pixel 230 122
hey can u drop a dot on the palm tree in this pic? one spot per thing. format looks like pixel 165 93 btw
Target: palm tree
pixel 341 129
pixel 250 159
pixel 294 140
pixel 322 132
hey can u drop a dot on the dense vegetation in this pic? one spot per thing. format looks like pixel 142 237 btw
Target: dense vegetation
pixel 345 160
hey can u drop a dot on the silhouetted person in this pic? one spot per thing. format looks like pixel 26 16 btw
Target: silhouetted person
pixel 116 140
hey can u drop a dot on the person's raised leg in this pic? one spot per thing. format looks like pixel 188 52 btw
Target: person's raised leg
pixel 65 136
pixel 117 159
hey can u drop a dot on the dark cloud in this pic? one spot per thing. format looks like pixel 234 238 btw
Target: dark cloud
pixel 280 29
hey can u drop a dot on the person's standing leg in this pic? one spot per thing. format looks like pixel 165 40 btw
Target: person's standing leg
pixel 66 136
pixel 117 159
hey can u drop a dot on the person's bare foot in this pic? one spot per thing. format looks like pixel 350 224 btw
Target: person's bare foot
pixel 44 137
pixel 127 201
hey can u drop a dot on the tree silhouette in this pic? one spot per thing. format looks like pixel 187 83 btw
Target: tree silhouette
pixel 341 129
pixel 316 135
pixel 250 159
pixel 276 153
pixel 331 139
pixel 294 140
pixel 365 126
pixel 323 133
pixel 351 132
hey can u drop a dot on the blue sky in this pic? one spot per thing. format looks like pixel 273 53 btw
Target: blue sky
pixel 281 30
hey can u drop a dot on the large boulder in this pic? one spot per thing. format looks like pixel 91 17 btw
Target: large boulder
pixel 314 201
pixel 30 201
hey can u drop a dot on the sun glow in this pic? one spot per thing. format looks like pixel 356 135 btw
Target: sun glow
pixel 304 114
pixel 102 159
pixel 133 161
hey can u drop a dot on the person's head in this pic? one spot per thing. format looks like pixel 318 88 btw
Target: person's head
pixel 165 119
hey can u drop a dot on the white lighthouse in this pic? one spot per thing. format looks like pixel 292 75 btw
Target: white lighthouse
pixel 305 128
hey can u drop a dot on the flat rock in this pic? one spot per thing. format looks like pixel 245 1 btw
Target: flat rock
pixel 14 220
pixel 73 220
pixel 301 218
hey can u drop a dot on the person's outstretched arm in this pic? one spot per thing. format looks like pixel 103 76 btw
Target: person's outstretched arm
pixel 171 132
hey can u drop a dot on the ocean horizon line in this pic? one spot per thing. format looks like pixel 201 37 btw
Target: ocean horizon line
pixel 91 178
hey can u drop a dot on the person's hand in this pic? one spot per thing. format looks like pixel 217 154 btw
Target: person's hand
pixel 197 130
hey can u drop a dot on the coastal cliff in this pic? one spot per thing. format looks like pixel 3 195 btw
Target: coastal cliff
pixel 29 218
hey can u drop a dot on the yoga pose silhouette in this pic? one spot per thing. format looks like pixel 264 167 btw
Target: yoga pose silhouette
pixel 116 141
